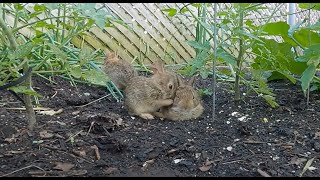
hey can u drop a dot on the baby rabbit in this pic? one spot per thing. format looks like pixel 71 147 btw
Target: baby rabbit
pixel 186 105
pixel 145 95
pixel 119 70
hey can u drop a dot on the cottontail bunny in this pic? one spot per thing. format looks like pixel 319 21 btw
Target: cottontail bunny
pixel 186 105
pixel 118 70
pixel 145 95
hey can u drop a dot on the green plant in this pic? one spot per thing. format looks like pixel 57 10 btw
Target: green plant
pixel 238 32
pixel 49 50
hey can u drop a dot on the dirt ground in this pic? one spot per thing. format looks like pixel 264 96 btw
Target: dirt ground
pixel 101 139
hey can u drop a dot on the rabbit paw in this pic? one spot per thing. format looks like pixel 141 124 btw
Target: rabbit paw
pixel 146 116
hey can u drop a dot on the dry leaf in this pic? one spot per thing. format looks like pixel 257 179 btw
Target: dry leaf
pixel 308 164
pixel 209 163
pixel 10 140
pixel 44 134
pixel 80 153
pixel 205 168
pixel 311 168
pixel 172 151
pixel 147 164
pixel 51 112
pixel 110 170
pixel 63 166
pixel 75 112
pixel 297 161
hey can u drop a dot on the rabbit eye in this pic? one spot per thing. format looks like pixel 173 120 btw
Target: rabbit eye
pixel 170 86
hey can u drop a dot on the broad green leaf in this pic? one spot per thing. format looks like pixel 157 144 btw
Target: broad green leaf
pixel 76 72
pixel 183 10
pixel 38 8
pixel 204 74
pixel 315 26
pixel 197 5
pixel 302 36
pixel 18 6
pixel 309 5
pixel 250 36
pixel 295 27
pixel 276 28
pixel 226 56
pixel 198 45
pixel 96 77
pixel 307 77
pixel 172 11
pixel 41 24
pixel 21 51
pixel 34 14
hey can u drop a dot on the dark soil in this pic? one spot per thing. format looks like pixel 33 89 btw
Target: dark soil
pixel 249 139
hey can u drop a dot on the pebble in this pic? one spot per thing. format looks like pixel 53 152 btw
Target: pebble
pixel 316 146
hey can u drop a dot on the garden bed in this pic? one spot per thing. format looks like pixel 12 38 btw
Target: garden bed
pixel 248 139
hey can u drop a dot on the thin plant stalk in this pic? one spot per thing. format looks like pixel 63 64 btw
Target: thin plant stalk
pixel 27 98
pixel 214 64
pixel 239 59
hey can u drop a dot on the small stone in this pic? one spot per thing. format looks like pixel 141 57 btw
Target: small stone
pixel 229 148
pixel 316 146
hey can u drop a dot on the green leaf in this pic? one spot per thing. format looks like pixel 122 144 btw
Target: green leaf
pixel 18 6
pixel 76 72
pixel 96 77
pixel 41 24
pixel 309 5
pixel 276 28
pixel 307 77
pixel 24 90
pixel 197 5
pixel 58 52
pixel 38 8
pixel 198 45
pixel 21 51
pixel 295 27
pixel 226 56
pixel 270 100
pixel 183 10
pixel 172 11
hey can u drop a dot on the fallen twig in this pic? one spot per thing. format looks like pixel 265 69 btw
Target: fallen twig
pixel 73 136
pixel 254 142
pixel 93 101
pixel 21 170
pixel 91 125
pixel 230 162
pixel 35 108
pixel 263 173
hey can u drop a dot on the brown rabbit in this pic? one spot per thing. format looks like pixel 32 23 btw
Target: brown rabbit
pixel 145 95
pixel 186 105
pixel 119 70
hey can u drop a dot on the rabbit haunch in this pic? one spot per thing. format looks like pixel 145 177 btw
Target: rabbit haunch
pixel 146 95
pixel 186 105
pixel 119 70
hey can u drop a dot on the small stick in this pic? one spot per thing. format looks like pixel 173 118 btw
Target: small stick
pixel 263 173
pixel 22 169
pixel 36 108
pixel 254 142
pixel 232 161
pixel 93 101
pixel 92 123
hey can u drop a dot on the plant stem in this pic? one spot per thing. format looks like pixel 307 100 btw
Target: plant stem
pixel 239 59
pixel 27 98
pixel 214 64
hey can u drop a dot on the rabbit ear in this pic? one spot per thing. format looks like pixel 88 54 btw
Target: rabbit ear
pixel 181 82
pixel 191 81
pixel 112 55
pixel 157 66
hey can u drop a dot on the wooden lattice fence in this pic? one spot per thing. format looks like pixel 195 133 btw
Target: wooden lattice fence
pixel 153 34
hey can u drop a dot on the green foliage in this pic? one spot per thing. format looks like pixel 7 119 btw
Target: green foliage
pixel 50 51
